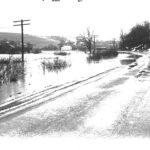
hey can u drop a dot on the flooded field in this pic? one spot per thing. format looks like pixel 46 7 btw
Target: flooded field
pixel 38 75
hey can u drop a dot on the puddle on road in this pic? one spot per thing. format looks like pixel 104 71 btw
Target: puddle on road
pixel 116 82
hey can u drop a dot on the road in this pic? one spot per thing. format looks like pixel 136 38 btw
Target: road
pixel 113 103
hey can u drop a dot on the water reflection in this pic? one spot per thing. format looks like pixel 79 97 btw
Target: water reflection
pixel 130 59
pixel 11 89
pixel 97 59
pixel 127 61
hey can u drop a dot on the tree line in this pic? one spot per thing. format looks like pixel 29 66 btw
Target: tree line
pixel 137 38
pixel 12 47
pixel 60 42
pixel 87 42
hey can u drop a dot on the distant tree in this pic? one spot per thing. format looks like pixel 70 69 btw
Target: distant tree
pixel 86 40
pixel 80 45
pixel 114 44
pixel 51 47
pixel 12 47
pixel 122 41
pixel 72 44
pixel 5 47
pixel 61 40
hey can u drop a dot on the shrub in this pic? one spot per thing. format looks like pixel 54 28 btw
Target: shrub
pixel 55 65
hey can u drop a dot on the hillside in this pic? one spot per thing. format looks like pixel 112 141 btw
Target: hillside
pixel 38 42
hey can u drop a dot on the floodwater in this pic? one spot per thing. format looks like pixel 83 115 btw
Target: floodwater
pixel 37 77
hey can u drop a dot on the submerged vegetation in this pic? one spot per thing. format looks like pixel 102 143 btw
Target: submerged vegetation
pixel 61 53
pixel 102 54
pixel 106 53
pixel 55 65
pixel 11 69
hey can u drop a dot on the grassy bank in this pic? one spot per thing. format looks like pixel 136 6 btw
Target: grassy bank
pixel 10 70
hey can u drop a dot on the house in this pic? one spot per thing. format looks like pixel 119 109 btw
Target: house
pixel 66 48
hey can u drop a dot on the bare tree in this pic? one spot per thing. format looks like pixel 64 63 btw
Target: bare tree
pixel 122 40
pixel 86 40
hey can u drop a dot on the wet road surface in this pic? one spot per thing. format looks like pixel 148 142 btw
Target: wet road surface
pixel 113 103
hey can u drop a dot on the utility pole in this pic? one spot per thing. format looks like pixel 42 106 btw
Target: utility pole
pixel 94 41
pixel 21 23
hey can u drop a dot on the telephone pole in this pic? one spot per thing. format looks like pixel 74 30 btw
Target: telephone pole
pixel 22 23
pixel 94 41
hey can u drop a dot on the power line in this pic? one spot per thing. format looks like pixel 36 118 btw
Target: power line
pixel 22 24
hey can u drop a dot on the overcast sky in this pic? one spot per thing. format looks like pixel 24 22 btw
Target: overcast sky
pixel 70 18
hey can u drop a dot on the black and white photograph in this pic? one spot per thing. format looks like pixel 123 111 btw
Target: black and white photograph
pixel 74 74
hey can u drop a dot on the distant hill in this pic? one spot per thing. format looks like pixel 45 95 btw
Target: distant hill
pixel 38 42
